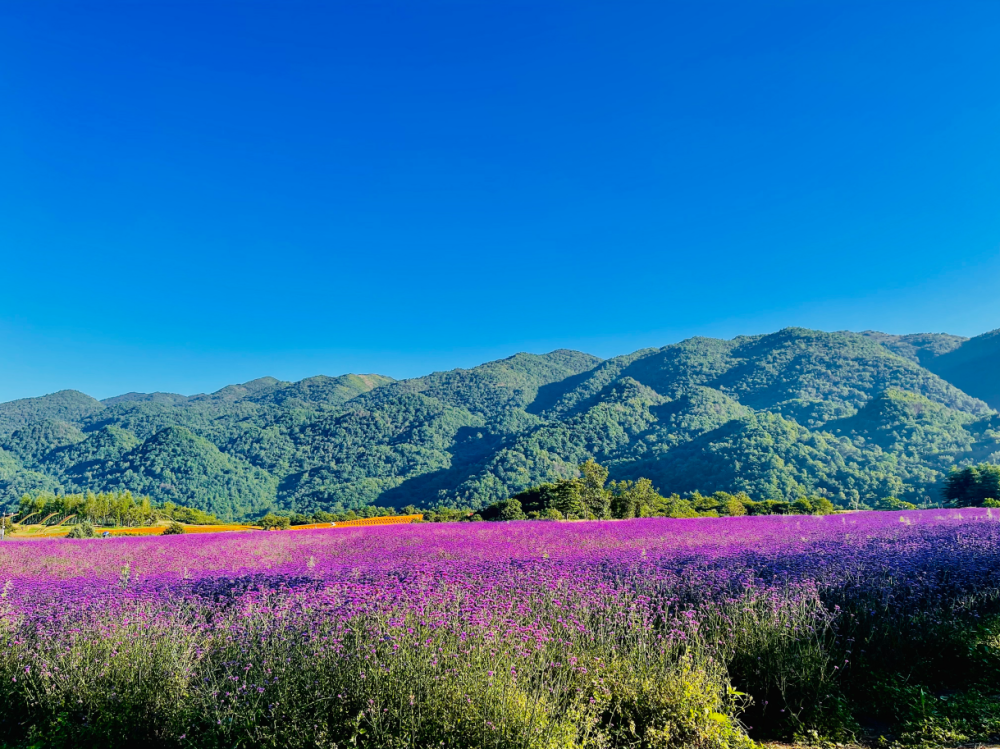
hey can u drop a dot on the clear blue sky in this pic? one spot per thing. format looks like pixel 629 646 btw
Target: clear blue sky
pixel 199 193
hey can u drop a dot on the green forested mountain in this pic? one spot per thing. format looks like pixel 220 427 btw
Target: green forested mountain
pixel 921 348
pixel 854 417
pixel 973 366
pixel 969 364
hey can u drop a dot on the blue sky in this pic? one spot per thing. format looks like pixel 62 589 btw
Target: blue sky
pixel 199 193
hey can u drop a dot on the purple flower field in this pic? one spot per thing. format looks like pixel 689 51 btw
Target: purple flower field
pixel 653 632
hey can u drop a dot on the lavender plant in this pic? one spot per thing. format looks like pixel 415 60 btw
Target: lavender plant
pixel 639 633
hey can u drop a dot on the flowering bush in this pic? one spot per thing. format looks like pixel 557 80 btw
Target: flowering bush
pixel 639 633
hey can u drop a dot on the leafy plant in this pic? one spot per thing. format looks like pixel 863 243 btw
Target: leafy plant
pixel 272 522
pixel 82 530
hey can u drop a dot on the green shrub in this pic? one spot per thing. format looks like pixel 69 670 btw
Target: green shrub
pixel 124 688
pixel 173 529
pixel 82 530
pixel 275 522
pixel 891 503
pixel 734 507
pixel 822 506
pixel 802 507
pixel 652 703
pixel 511 510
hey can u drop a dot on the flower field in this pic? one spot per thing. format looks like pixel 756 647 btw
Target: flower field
pixel 641 633
pixel 381 520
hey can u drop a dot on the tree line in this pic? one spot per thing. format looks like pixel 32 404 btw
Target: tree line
pixel 591 497
pixel 114 508
pixel 587 497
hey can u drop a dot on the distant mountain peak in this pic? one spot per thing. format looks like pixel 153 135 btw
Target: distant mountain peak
pixel 145 398
pixel 65 405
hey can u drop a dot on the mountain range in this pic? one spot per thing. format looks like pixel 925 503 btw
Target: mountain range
pixel 856 417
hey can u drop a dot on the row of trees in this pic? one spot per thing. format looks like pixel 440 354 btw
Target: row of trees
pixel 105 509
pixel 591 497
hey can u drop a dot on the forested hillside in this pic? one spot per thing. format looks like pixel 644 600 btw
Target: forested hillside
pixel 853 417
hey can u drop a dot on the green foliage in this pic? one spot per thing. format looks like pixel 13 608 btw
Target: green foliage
pixel 972 366
pixel 173 529
pixel 790 416
pixel 920 348
pixel 371 511
pixel 655 704
pixel 66 405
pixel 272 522
pixel 972 486
pixel 104 508
pixel 510 509
pixel 926 719
pixel 939 691
pixel 637 499
pixel 448 515
pixel 34 441
pixel 319 516
pixel 189 515
pixel 634 499
pixel 891 503
pixel 595 500
pixel 212 481
pixel 82 530
pixel 122 689
pixel 16 480
pixel 145 685
pixel 327 393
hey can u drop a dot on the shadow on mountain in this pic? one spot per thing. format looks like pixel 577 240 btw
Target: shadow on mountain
pixel 473 447
pixel 549 395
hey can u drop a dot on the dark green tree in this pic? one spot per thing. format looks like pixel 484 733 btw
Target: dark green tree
pixel 595 498
pixel 822 506
pixel 565 496
pixel 511 510
pixel 634 499
pixel 972 486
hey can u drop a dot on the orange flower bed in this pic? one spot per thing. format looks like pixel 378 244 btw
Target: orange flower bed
pixel 155 530
pixel 218 528
pixel 388 520
pixel 148 530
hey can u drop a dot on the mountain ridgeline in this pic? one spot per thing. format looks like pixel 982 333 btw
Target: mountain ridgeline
pixel 853 417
